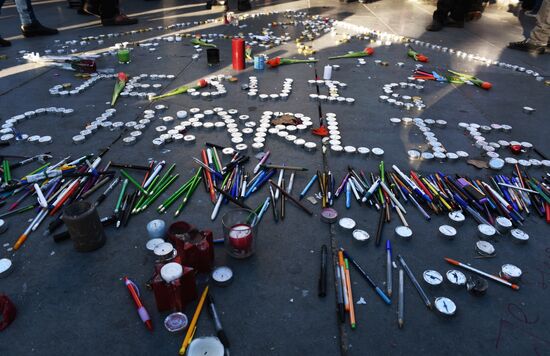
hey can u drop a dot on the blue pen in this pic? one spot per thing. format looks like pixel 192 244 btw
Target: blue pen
pixel 263 180
pixel 506 193
pixel 311 181
pixel 369 280
pixel 348 194
pixel 388 268
pixel 264 209
pixel 253 184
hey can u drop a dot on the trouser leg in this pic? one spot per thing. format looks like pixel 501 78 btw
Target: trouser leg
pixel 26 13
pixel 541 33
pixel 108 8
pixel 442 10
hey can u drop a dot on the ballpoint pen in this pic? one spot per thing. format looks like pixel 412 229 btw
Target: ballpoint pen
pixel 401 305
pixel 342 267
pixel 484 274
pixel 348 194
pixel 339 294
pixel 322 292
pixel 134 292
pixel 368 279
pixel 381 220
pixel 419 289
pixel 309 184
pixel 273 204
pixel 388 268
pixel 217 323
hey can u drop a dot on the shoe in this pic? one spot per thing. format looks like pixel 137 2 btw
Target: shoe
pixel 119 20
pixel 473 15
pixel 454 23
pixel 37 29
pixel 434 26
pixel 531 13
pixel 4 43
pixel 91 7
pixel 527 46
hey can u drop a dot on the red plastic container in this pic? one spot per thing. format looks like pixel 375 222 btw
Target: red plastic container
pixel 174 296
pixel 195 248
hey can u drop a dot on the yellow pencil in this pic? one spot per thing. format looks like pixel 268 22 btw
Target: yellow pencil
pixel 191 329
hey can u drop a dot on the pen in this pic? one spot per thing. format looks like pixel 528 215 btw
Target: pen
pixel 104 195
pixel 378 238
pixel 348 194
pixel 291 198
pixel 279 181
pixel 401 306
pixel 264 208
pixel 419 289
pixel 484 274
pixel 350 296
pixel 217 323
pixel 274 204
pixel 344 282
pixel 134 292
pixel 309 184
pixel 339 295
pixel 388 267
pixel 259 165
pixel 367 278
pixel 323 276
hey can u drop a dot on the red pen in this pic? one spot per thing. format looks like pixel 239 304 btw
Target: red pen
pixel 134 292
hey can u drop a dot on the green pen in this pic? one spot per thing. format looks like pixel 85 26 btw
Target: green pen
pixel 133 181
pixel 121 195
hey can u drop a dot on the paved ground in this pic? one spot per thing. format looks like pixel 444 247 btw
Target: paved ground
pixel 77 304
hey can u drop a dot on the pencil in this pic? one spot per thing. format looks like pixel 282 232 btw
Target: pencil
pixel 191 328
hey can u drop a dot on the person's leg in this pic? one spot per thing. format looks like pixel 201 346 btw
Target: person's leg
pixel 541 33
pixel 3 42
pixel 440 15
pixel 26 13
pixel 108 8
pixel 458 12
pixel 111 15
pixel 538 40
pixel 442 10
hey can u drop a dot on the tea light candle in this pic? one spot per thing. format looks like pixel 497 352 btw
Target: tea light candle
pixel 201 346
pixel 240 236
pixel 156 229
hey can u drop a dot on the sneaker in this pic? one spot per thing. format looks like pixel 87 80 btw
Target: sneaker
pixel 37 29
pixel 119 20
pixel 434 26
pixel 526 46
pixel 4 43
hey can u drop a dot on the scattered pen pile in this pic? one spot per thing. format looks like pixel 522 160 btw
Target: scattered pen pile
pixel 510 196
